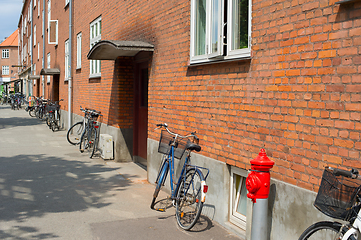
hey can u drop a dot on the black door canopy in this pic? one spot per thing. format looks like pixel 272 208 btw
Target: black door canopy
pixel 110 50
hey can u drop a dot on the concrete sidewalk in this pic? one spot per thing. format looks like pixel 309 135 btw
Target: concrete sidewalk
pixel 49 190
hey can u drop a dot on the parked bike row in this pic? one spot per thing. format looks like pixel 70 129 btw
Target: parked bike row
pixel 86 132
pixel 46 110
pixel 15 100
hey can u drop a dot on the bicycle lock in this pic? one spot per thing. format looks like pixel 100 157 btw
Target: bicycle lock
pixel 258 186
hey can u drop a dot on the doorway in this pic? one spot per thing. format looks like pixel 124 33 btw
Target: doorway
pixel 140 129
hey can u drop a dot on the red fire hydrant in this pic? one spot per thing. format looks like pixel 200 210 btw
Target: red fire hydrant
pixel 258 186
pixel 258 180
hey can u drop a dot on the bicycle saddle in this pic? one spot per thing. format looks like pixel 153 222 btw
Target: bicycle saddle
pixel 193 146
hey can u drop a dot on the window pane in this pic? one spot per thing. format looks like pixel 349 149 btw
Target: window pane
pixel 240 26
pixel 200 28
pixel 215 23
pixel 242 201
pixel 100 27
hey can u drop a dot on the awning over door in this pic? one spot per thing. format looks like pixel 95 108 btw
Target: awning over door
pixel 50 71
pixel 110 50
pixel 34 77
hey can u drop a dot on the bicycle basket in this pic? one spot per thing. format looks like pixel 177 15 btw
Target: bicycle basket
pixel 166 139
pixel 53 108
pixel 337 195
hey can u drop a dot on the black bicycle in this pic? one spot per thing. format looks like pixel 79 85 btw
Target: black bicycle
pixel 338 197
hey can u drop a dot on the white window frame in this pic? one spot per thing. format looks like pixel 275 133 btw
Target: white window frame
pixel 66 2
pixel 48 66
pixel 34 34
pixel 38 8
pixel 235 217
pixel 5 70
pixel 95 36
pixel 67 59
pixel 5 53
pixel 49 12
pixel 78 50
pixel 221 53
pixel 53 29
pixel 38 50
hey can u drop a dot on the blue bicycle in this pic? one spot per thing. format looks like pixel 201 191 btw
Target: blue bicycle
pixel 189 192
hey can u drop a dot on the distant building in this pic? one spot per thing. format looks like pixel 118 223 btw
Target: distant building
pixel 9 57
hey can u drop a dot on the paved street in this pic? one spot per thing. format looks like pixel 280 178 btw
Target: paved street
pixel 49 190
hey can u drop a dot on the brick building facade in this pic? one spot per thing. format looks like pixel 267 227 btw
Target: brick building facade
pixel 281 75
pixel 8 59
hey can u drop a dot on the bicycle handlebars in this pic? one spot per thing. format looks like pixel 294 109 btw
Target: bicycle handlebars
pixel 192 134
pixel 353 173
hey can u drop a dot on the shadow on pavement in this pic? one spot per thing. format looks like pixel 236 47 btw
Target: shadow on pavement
pixel 34 185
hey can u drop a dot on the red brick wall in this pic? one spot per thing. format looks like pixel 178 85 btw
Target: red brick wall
pixel 298 97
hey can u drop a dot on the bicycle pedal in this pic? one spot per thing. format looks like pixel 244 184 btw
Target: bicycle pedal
pixel 160 209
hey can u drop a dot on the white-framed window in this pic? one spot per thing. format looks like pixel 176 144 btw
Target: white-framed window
pixel 238 204
pixel 48 66
pixel 43 23
pixel 38 50
pixel 34 34
pixel 220 30
pixel 66 2
pixel 5 53
pixel 67 59
pixel 34 3
pixel 5 70
pixel 38 8
pixel 49 12
pixel 78 51
pixel 95 36
pixel 53 32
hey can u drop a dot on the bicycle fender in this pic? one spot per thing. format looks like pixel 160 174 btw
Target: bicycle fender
pixel 204 187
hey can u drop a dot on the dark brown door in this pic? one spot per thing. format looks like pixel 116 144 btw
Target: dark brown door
pixel 55 95
pixel 141 113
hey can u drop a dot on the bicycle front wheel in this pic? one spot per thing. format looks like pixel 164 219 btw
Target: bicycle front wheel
pixel 32 112
pixel 188 202
pixel 162 175
pixel 74 133
pixel 325 230
pixel 87 140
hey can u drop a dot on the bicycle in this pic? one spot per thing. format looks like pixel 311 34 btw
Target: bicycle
pixel 74 133
pixel 339 197
pixel 89 138
pixel 53 115
pixel 189 192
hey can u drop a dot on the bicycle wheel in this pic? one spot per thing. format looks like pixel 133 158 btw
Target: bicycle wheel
pixel 32 112
pixel 95 145
pixel 188 202
pixel 74 133
pixel 325 230
pixel 162 175
pixel 49 119
pixel 87 140
pixel 54 125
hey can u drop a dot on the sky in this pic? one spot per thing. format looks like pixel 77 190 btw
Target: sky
pixel 9 17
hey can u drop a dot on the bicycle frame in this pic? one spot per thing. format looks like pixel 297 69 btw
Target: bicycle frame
pixel 170 159
pixel 356 227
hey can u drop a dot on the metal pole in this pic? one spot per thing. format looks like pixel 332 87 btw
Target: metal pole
pixel 70 61
pixel 259 220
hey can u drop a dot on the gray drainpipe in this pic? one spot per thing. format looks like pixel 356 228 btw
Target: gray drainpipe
pixel 32 37
pixel 43 60
pixel 70 61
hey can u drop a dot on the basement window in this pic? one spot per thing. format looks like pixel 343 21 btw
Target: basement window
pixel 238 204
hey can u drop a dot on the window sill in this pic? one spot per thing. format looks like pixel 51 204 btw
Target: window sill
pixel 224 60
pixel 95 76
